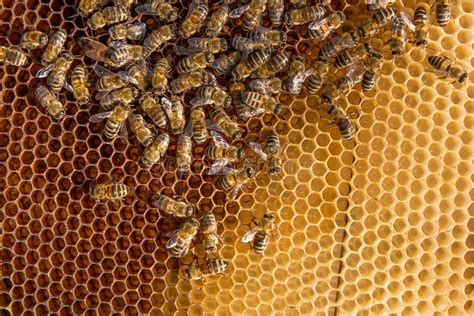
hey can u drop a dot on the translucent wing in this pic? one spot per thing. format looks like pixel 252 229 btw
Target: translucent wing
pixel 173 241
pixel 195 4
pixel 180 50
pixel 187 244
pixel 137 30
pixel 217 166
pixel 166 104
pixel 102 71
pixel 197 42
pixel 258 150
pixel 118 45
pixel 239 11
pixel 96 118
pixel 173 232
pixel 126 77
pixel 356 71
pixel 248 112
pixel 199 102
pixel 235 191
pixel 123 130
pixel 250 235
pixel 260 85
pixel 68 87
pixel 317 24
pixel 219 140
pixel 406 18
pixel 225 171
pixel 189 130
pixel 101 94
pixel 43 72
pixel 213 127
pixel 146 9
pixel 296 83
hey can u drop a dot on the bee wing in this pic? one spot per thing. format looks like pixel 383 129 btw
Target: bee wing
pixel 199 102
pixel 217 166
pixel 137 30
pixel 356 71
pixel 235 191
pixel 239 11
pixel 316 24
pixel 146 9
pixel 173 241
pixel 68 87
pixel 258 150
pixel 166 104
pixel 196 42
pixel 180 50
pixel 189 130
pixel 101 71
pixel 213 127
pixel 259 85
pixel 126 77
pixel 43 72
pixel 219 140
pixel 250 112
pixel 101 94
pixel 406 18
pixel 118 44
pixel 187 245
pixel 123 130
pixel 250 235
pixel 225 171
pixel 93 49
pixel 195 4
pixel 96 118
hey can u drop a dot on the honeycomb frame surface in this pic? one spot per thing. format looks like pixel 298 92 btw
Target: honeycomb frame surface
pixel 379 225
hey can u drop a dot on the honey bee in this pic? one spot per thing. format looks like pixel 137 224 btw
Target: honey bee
pixel 243 111
pixel 304 15
pixel 151 107
pixel 79 83
pixel 195 18
pixel 95 50
pixel 316 79
pixel 12 56
pixel 86 7
pixel 191 80
pixel 208 228
pixel 222 153
pixel 333 90
pixel 230 128
pixel 54 47
pixel 266 86
pixel 198 125
pixel 338 44
pixel 107 16
pixel 232 180
pixel 245 67
pixel 158 38
pixel 251 12
pixel 271 153
pixel 141 129
pixel 217 20
pixel 268 36
pixel 379 19
pixel 159 79
pixel 297 75
pixel 49 101
pixel 321 29
pixel 173 207
pixel 56 72
pixel 184 155
pixel 156 150
pixel 274 65
pixel 181 238
pixel 261 101
pixel 226 62
pixel 111 81
pixel 33 39
pixel 110 191
pixel 124 3
pixel 128 31
pixel 125 95
pixel 200 44
pixel 345 125
pixel 420 27
pixel 211 95
pixel 399 37
pixel 260 234
pixel 372 65
pixel 276 8
pixel 446 67
pixel 120 53
pixel 195 62
pixel 139 70
pixel 175 111
pixel 349 56
pixel 443 11
pixel 115 120
pixel 374 5
pixel 210 268
pixel 162 9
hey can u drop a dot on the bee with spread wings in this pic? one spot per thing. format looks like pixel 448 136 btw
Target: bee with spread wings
pixel 222 153
pixel 270 154
pixel 320 30
pixel 232 180
pixel 181 238
pixel 260 233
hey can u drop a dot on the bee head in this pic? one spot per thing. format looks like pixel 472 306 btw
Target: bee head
pixel 274 170
pixel 227 101
pixel 240 153
pixel 224 45
pixel 277 109
pixel 188 273
pixel 193 221
pixel 173 16
pixel 269 216
pixel 210 57
pixel 398 52
pixel 463 77
pixel 60 115
pixel 368 48
pixel 283 37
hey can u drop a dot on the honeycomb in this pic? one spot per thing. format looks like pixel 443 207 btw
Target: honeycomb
pixel 375 226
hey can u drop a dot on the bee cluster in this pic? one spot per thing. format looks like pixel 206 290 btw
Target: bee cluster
pixel 189 80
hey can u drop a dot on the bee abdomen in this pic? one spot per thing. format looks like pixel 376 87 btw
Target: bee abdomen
pixel 368 80
pixel 118 190
pixel 260 242
pixel 437 61
pixel 420 16
pixel 111 129
pixel 443 14
pixel 343 59
pixel 216 266
pixel 313 84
